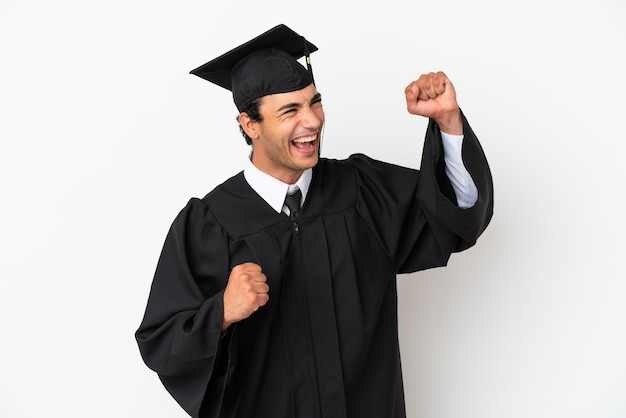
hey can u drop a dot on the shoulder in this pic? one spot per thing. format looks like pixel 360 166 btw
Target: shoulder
pixel 355 162
pixel 199 213
pixel 228 189
pixel 232 203
pixel 337 184
pixel 362 166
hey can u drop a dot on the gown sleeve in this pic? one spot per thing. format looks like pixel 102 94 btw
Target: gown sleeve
pixel 180 336
pixel 437 196
pixel 414 212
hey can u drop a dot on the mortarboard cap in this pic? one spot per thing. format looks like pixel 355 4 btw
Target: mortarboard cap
pixel 265 65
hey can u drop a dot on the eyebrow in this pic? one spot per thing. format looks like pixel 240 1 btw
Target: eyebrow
pixel 316 97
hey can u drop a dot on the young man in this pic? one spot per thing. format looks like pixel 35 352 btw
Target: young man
pixel 267 306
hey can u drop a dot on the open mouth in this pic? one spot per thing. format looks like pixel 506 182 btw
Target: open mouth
pixel 305 143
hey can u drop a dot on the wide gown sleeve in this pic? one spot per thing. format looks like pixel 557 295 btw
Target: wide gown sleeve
pixel 414 213
pixel 434 188
pixel 180 336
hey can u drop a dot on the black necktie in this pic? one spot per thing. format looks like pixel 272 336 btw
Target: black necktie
pixel 293 203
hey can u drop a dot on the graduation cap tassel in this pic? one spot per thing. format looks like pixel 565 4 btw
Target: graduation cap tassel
pixel 307 57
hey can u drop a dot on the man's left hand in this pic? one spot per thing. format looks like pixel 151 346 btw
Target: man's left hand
pixel 433 96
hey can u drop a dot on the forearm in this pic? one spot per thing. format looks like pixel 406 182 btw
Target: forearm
pixel 450 123
pixel 462 183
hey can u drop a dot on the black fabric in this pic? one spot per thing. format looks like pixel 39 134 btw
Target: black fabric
pixel 326 344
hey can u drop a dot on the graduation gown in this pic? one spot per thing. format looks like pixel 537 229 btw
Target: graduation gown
pixel 326 344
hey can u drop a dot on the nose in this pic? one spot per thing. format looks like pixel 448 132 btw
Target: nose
pixel 312 118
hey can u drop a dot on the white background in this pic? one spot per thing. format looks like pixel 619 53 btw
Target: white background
pixel 104 136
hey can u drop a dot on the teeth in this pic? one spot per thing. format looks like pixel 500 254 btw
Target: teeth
pixel 305 139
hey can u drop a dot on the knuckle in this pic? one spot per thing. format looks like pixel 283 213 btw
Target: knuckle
pixel 251 299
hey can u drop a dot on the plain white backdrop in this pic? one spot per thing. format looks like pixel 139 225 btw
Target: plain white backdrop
pixel 105 136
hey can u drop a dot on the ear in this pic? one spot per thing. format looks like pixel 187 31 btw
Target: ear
pixel 250 127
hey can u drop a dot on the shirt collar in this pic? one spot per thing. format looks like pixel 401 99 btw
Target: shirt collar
pixel 272 190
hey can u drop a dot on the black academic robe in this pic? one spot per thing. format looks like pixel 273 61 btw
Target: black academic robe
pixel 326 344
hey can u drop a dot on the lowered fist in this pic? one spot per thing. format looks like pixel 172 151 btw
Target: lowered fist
pixel 246 291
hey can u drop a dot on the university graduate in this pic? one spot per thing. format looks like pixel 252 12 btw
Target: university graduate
pixel 275 294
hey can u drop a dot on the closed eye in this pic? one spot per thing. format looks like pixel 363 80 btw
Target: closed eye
pixel 294 107
pixel 316 99
pixel 289 108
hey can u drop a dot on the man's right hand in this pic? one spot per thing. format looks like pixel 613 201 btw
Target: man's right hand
pixel 246 291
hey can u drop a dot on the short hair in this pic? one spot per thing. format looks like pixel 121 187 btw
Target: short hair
pixel 252 110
